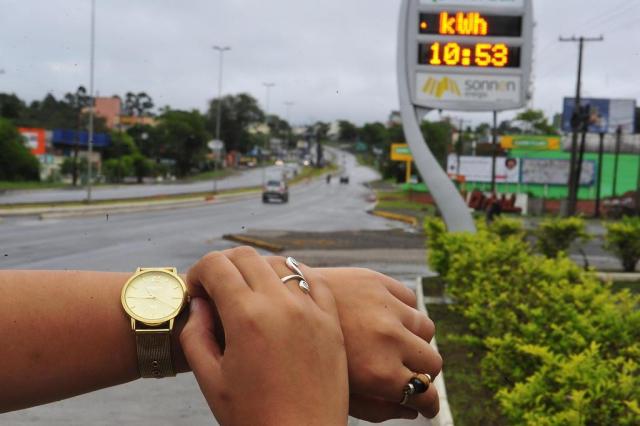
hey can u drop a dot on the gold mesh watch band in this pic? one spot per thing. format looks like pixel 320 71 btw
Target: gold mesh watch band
pixel 154 354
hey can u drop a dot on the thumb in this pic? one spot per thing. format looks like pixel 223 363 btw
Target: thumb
pixel 199 342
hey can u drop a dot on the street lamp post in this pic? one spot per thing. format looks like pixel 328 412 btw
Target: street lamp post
pixel 289 104
pixel 268 86
pixel 92 99
pixel 221 50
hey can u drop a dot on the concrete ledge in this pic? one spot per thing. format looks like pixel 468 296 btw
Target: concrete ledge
pixel 254 242
pixel 444 418
pixel 619 276
pixel 395 216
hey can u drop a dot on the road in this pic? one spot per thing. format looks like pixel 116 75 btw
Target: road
pixel 247 178
pixel 123 242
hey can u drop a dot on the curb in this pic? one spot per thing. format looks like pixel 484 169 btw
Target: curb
pixel 395 216
pixel 619 276
pixel 444 417
pixel 275 248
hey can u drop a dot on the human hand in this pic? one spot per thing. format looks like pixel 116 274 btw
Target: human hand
pixel 386 340
pixel 284 360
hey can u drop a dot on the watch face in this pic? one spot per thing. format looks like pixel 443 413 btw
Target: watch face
pixel 153 296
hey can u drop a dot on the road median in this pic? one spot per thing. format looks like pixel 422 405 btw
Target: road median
pixel 411 220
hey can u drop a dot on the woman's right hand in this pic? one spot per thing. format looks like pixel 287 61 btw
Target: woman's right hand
pixel 284 360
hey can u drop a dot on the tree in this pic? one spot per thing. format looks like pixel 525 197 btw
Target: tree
pixel 438 137
pixel 121 144
pixel 348 131
pixel 238 113
pixel 183 137
pixel 12 107
pixel 16 162
pixel 138 105
pixel 534 121
pixel 374 135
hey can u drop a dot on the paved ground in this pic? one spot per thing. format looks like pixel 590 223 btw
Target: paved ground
pixel 122 242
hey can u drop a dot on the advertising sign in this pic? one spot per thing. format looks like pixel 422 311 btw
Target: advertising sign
pixel 35 140
pixel 401 152
pixel 478 169
pixel 469 55
pixel 555 172
pixel 605 115
pixel 464 89
pixel 531 142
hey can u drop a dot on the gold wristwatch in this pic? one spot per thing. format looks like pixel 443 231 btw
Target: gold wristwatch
pixel 153 298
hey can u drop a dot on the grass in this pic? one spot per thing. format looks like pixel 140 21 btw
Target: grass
pixel 471 402
pixel 7 186
pixel 400 200
pixel 312 172
pixel 218 174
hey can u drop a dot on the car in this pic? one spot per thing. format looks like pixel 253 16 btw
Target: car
pixel 275 189
pixel 344 179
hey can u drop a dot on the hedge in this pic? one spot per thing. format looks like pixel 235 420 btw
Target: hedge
pixel 559 347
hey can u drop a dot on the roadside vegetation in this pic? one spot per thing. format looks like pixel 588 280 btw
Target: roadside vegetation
pixel 531 339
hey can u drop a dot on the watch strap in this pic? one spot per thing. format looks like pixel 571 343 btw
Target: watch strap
pixel 154 354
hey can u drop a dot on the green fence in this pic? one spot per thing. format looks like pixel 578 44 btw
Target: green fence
pixel 627 177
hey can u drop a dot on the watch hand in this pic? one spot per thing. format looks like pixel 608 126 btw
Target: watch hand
pixel 160 299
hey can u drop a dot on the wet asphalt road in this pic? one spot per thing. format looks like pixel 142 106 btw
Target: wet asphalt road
pixel 247 178
pixel 175 237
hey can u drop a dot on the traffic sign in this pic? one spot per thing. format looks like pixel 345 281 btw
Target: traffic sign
pixel 468 55
pixel 215 145
pixel 401 152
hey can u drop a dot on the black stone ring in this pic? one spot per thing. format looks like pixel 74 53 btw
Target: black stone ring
pixel 418 384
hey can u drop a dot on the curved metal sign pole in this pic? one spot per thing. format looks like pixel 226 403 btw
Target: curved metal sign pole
pixel 454 210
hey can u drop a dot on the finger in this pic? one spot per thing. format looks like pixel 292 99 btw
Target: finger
pixel 428 403
pixel 419 324
pixel 400 291
pixel 220 279
pixel 255 269
pixel 420 357
pixel 377 410
pixel 199 343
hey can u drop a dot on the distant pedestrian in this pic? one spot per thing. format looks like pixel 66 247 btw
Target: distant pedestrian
pixel 329 178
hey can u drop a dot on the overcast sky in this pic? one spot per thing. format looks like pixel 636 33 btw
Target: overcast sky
pixel 334 58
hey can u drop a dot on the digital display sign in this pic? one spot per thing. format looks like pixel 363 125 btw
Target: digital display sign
pixel 470 24
pixel 479 55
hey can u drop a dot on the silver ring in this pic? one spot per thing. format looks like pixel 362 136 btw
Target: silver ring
pixel 302 283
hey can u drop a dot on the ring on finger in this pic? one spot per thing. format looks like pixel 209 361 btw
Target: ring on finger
pixel 419 383
pixel 302 281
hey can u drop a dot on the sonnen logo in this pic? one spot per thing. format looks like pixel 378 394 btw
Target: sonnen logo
pixel 438 88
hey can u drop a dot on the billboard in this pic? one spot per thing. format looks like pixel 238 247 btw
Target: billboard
pixel 548 171
pixel 605 115
pixel 35 140
pixel 478 169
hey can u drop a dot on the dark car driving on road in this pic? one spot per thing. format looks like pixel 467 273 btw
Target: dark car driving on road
pixel 275 189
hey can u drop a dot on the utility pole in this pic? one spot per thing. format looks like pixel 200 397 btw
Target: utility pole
pixel 616 160
pixel 268 86
pixel 572 199
pixel 289 104
pixel 91 97
pixel 494 153
pixel 599 179
pixel 221 50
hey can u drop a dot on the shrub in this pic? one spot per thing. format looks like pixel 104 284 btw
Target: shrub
pixel 506 227
pixel 623 239
pixel 559 347
pixel 16 162
pixel 557 235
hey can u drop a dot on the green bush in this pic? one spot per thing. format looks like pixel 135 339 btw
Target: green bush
pixel 506 227
pixel 557 235
pixel 116 169
pixel 623 239
pixel 559 347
